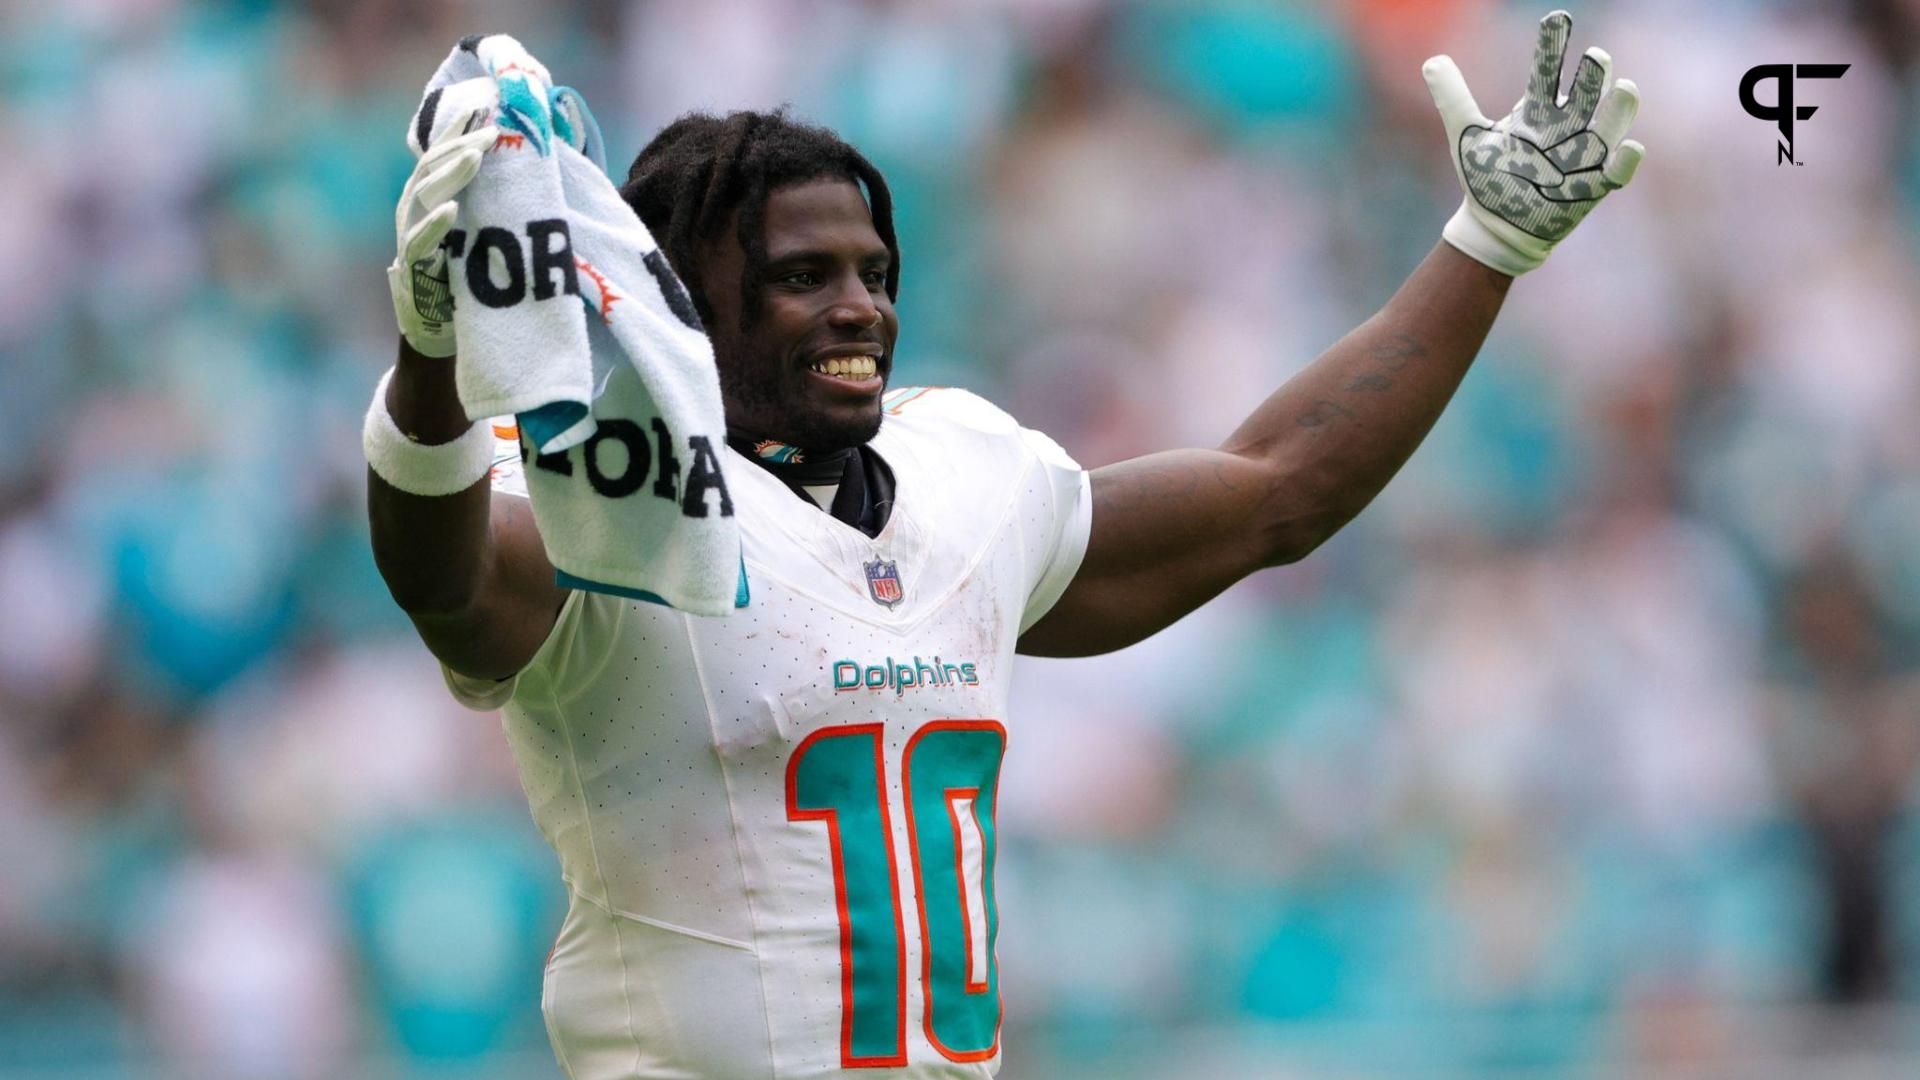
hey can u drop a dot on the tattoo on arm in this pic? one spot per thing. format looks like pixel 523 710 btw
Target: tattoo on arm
pixel 1324 412
pixel 1404 349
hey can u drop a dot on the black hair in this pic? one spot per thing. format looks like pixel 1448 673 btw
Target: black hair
pixel 701 167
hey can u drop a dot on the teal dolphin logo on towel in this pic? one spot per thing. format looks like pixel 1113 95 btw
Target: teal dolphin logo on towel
pixel 523 113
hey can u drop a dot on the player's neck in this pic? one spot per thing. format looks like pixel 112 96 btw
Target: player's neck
pixel 794 464
pixel 861 482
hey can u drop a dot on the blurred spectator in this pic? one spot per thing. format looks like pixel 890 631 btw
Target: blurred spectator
pixel 1848 747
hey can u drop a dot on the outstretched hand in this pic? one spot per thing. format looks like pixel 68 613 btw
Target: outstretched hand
pixel 1533 175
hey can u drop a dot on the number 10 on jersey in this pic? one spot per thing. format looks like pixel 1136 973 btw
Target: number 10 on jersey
pixel 948 775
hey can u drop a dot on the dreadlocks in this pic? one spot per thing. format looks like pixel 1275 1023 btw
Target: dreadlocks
pixel 701 167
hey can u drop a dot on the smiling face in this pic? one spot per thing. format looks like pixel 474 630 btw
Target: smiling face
pixel 809 368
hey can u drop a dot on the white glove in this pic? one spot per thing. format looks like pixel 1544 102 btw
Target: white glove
pixel 422 296
pixel 1531 177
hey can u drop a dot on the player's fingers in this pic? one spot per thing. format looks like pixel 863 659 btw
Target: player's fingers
pixel 457 127
pixel 1589 79
pixel 425 237
pixel 477 119
pixel 1616 112
pixel 480 139
pixel 1450 94
pixel 451 111
pixel 1548 57
pixel 450 178
pixel 1622 162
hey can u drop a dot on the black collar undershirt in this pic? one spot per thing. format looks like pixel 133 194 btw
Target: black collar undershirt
pixel 865 496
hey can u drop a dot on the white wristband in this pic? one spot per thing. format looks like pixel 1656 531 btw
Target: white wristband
pixel 418 468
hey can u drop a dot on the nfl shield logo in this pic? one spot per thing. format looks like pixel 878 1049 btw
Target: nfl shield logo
pixel 883 583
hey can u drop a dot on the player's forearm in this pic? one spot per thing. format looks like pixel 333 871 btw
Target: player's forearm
pixel 430 550
pixel 1338 431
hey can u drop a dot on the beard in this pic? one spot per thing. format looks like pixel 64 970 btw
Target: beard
pixel 824 435
pixel 772 404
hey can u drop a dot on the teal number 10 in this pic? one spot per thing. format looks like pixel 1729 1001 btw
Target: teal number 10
pixel 949 773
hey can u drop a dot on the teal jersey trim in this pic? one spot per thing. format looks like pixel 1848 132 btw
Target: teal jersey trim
pixel 548 422
pixel 568 581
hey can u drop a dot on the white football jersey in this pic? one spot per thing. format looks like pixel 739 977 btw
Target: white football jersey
pixel 778 826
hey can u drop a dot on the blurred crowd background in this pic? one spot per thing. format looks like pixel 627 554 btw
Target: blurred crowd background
pixel 1589 749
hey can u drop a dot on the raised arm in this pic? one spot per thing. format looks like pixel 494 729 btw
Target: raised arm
pixel 469 569
pixel 1171 530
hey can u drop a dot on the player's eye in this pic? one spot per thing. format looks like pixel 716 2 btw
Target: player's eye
pixel 874 278
pixel 805 279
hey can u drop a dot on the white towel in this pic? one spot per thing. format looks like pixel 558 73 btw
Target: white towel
pixel 569 317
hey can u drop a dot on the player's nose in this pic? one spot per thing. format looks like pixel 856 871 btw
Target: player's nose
pixel 854 307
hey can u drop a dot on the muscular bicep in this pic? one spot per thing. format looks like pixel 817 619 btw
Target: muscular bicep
pixel 513 609
pixel 1170 531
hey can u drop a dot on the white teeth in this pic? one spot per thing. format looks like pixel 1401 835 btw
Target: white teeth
pixel 849 367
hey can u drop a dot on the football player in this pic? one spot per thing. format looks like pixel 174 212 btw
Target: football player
pixel 778 827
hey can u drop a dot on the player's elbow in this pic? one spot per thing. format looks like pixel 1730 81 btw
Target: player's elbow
pixel 427 595
pixel 1290 545
pixel 425 580
pixel 1299 516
